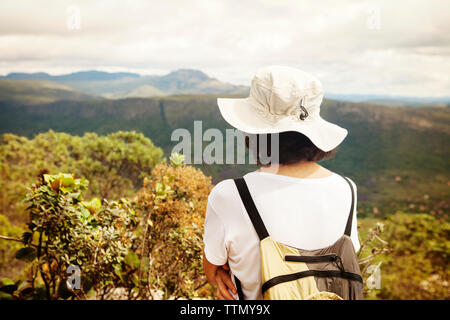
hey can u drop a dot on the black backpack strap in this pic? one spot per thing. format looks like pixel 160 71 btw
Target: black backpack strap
pixel 239 288
pixel 348 227
pixel 250 207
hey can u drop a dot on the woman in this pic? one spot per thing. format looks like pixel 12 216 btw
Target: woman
pixel 302 204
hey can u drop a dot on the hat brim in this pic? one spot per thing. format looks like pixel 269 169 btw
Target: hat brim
pixel 242 114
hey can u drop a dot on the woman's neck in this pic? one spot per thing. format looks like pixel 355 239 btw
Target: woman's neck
pixel 304 169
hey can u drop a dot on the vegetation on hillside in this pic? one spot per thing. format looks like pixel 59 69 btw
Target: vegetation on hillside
pixel 115 164
pixel 398 156
pixel 64 231
pixel 418 265
pixel 34 92
pixel 174 206
pixel 150 248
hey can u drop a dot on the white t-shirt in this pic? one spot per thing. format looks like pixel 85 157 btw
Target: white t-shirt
pixel 303 213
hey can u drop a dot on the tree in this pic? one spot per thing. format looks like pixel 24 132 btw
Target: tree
pixel 115 164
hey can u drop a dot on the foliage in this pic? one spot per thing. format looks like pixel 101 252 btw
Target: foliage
pixel 64 231
pixel 417 267
pixel 34 92
pixel 373 248
pixel 175 202
pixel 157 254
pixel 8 248
pixel 115 164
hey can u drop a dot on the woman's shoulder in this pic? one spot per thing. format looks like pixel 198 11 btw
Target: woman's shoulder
pixel 225 189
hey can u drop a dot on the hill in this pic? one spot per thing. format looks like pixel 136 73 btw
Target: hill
pixel 124 85
pixel 398 156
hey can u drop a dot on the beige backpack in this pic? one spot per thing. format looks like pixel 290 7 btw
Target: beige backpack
pixel 288 273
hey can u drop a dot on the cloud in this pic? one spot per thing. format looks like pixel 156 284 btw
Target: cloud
pixel 381 47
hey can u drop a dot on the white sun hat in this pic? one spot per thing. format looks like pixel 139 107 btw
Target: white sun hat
pixel 283 99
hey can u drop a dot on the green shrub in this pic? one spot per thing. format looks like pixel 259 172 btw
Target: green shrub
pixel 63 231
pixel 417 267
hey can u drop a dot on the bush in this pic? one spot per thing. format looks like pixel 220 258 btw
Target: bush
pixel 65 231
pixel 417 268
pixel 115 164
pixel 9 248
pixel 121 254
pixel 174 200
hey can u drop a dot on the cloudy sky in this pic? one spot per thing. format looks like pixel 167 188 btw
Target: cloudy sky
pixel 366 47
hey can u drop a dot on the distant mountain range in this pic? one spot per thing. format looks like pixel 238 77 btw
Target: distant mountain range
pixel 77 76
pixel 127 85
pixel 391 100
pixel 118 85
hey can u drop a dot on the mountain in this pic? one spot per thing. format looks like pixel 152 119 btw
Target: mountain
pixel 119 85
pixel 27 76
pixel 389 100
pixel 125 85
pixel 192 81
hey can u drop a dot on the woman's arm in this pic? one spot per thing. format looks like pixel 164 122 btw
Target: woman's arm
pixel 219 276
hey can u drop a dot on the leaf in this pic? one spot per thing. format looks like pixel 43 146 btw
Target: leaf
pixel 85 214
pixel 94 205
pixel 5 296
pixel 48 178
pixel 7 281
pixel 176 159
pixel 67 181
pixel 132 260
pixel 66 189
pixel 26 254
pixel 27 237
pixel 82 183
pixel 135 279
pixel 118 271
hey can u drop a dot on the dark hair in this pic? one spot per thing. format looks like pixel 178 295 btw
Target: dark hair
pixel 294 147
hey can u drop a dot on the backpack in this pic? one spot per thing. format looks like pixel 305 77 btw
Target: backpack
pixel 288 273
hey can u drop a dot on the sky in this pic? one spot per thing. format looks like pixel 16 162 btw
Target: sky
pixel 399 47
